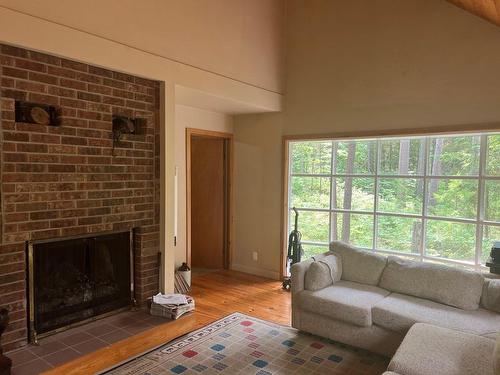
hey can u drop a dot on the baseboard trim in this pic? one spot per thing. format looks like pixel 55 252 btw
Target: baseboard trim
pixel 256 271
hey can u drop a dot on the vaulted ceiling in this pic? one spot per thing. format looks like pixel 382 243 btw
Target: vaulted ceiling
pixel 487 9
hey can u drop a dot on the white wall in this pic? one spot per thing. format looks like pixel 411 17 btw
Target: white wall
pixel 41 34
pixel 386 64
pixel 256 193
pixel 239 39
pixel 190 117
pixel 362 66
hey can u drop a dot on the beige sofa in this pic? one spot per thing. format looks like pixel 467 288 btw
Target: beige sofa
pixel 430 350
pixel 374 300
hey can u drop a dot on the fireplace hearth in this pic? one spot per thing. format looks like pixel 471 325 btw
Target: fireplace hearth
pixel 73 280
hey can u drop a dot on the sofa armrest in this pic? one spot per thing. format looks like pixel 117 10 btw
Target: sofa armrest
pixel 298 273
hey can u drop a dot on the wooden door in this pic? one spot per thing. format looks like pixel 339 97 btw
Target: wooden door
pixel 208 206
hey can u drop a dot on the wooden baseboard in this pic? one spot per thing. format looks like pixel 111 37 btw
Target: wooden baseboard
pixel 256 271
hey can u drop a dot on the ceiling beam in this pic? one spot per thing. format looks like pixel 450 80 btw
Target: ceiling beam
pixel 487 9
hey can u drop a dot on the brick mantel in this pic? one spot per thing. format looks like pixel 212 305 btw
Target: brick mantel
pixel 67 180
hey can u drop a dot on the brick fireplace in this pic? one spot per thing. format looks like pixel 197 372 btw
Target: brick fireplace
pixel 67 180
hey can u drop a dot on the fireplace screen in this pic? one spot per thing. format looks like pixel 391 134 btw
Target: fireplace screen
pixel 76 279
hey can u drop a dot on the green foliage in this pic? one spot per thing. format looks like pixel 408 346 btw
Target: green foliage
pixel 311 157
pixel 361 228
pixel 399 234
pixel 312 250
pixel 493 156
pixel 310 192
pixel 450 240
pixel 363 190
pixel 313 225
pixel 364 157
pixel 459 156
pixel 492 200
pixel 453 198
pixel 400 195
pixel 389 156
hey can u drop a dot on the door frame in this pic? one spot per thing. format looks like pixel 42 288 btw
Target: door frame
pixel 229 153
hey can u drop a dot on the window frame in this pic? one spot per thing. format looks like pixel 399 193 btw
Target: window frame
pixel 479 220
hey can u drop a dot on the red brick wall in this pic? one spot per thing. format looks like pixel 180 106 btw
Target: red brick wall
pixel 65 180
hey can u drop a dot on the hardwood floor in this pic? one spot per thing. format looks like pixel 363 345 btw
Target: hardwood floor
pixel 216 295
pixel 221 293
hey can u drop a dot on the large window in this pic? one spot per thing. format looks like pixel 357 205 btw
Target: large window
pixel 433 198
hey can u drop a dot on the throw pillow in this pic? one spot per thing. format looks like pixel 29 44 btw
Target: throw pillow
pixel 323 273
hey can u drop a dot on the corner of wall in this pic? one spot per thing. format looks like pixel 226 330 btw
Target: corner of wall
pixel 257 186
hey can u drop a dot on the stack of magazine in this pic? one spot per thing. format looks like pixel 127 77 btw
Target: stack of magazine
pixel 171 306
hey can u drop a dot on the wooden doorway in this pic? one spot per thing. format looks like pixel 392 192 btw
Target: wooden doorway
pixel 208 198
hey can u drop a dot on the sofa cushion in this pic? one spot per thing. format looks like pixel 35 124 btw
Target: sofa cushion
pixel 399 312
pixel 358 265
pixel 491 295
pixel 431 350
pixel 449 285
pixel 346 301
pixel 323 273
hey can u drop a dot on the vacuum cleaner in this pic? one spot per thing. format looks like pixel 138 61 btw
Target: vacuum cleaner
pixel 295 250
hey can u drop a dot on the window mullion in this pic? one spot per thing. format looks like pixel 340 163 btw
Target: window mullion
pixel 481 201
pixel 424 198
pixel 332 216
pixel 375 204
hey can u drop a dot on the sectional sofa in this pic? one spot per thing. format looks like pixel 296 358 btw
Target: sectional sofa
pixel 375 302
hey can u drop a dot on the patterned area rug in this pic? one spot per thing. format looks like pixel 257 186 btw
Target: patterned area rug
pixel 240 344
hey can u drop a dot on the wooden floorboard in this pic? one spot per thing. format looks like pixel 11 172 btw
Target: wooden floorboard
pixel 216 294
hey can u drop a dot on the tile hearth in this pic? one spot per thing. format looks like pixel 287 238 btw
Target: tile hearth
pixel 62 347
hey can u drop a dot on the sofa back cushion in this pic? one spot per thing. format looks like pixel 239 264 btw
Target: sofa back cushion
pixel 358 265
pixel 491 295
pixel 323 273
pixel 451 286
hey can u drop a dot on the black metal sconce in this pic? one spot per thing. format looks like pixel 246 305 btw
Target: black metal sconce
pixel 126 125
pixel 34 113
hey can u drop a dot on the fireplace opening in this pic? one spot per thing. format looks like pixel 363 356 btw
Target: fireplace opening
pixel 76 279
